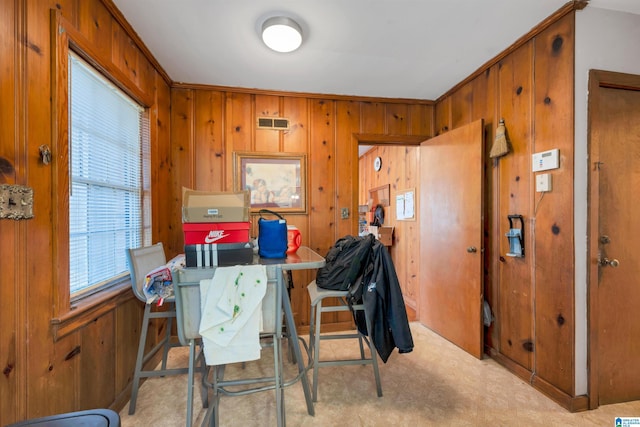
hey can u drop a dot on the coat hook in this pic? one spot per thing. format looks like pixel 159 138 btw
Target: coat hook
pixel 45 153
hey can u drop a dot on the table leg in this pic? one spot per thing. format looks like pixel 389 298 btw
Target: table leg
pixel 295 344
pixel 277 356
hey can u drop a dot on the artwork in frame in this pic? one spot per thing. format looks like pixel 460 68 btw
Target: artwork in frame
pixel 276 181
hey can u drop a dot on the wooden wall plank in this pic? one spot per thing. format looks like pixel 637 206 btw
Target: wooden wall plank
pixel 182 170
pixel 209 165
pixel 59 376
pixel 239 132
pixel 442 121
pixel 347 124
pixel 462 106
pixel 396 119
pixel 94 22
pixel 240 127
pixel 372 117
pixel 421 119
pixel 296 138
pixel 12 332
pixel 124 53
pixel 98 351
pixel 322 185
pixel 554 273
pixel 407 247
pixel 44 373
pixel 484 107
pixel 515 181
pixel 128 323
pixel 161 167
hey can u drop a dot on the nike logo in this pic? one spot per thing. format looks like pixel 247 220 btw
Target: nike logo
pixel 214 236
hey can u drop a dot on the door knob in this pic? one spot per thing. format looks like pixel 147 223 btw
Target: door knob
pixel 472 249
pixel 609 262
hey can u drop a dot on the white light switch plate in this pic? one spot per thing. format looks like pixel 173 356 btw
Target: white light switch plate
pixel 543 182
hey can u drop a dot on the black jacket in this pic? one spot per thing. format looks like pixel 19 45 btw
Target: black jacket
pixel 384 305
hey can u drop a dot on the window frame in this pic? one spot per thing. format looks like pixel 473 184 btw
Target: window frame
pixel 68 314
pixel 143 146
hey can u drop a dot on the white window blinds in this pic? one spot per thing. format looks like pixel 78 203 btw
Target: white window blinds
pixel 109 200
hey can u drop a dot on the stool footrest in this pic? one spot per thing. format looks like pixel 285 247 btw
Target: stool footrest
pixel 340 337
pixel 345 362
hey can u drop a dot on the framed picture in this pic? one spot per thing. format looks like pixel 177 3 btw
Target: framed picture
pixel 276 181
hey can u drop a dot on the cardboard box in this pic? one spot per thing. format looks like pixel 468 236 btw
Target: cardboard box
pixel 385 235
pixel 222 254
pixel 203 206
pixel 200 233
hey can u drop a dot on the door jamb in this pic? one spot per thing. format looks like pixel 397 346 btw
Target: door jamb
pixel 597 79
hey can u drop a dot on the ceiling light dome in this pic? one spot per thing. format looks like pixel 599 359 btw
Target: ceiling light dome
pixel 281 34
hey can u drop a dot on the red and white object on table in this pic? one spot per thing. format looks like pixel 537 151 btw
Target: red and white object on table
pixel 200 233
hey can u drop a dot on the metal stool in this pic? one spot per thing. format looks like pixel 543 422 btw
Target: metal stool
pixel 317 295
pixel 141 261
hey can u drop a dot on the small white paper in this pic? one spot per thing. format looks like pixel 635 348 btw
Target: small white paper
pixel 400 206
pixel 405 205
pixel 408 205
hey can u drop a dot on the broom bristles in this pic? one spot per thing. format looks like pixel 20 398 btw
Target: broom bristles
pixel 500 145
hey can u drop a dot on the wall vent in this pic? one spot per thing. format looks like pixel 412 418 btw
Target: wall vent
pixel 273 123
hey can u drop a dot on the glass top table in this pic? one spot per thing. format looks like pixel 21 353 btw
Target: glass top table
pixel 187 291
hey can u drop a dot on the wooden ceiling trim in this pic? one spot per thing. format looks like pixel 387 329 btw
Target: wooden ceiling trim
pixel 386 139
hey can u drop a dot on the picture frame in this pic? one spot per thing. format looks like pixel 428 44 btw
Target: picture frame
pixel 276 181
pixel 380 195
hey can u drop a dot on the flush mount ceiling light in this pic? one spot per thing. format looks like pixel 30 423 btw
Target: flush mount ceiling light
pixel 281 34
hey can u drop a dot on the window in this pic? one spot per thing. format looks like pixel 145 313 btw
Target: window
pixel 109 198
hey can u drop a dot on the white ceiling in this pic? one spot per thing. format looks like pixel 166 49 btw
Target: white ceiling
pixel 381 48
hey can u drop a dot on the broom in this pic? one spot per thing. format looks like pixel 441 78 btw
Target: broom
pixel 500 145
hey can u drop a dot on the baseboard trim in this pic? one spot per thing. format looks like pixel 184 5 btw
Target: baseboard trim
pixel 570 403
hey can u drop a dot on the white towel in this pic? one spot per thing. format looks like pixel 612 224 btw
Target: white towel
pixel 231 307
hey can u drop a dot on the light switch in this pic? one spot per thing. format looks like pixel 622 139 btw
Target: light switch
pixel 16 201
pixel 543 182
pixel 344 212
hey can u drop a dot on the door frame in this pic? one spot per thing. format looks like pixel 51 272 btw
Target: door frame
pixel 611 80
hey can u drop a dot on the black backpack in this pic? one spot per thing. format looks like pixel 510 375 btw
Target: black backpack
pixel 345 264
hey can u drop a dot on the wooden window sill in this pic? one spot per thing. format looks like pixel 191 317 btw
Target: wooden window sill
pixel 87 309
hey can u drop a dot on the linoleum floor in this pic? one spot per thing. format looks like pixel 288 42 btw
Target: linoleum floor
pixel 437 384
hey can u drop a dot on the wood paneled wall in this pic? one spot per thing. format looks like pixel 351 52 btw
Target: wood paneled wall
pixel 90 364
pixel 400 170
pixel 194 132
pixel 209 124
pixel 531 87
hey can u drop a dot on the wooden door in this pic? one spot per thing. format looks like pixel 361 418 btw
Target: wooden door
pixel 451 206
pixel 614 284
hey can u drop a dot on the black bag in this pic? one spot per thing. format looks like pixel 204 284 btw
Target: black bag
pixel 272 236
pixel 345 263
